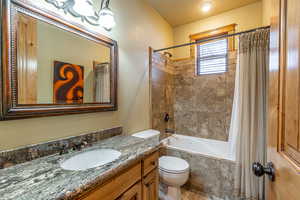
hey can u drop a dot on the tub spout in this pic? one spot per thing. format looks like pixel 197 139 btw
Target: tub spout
pixel 168 130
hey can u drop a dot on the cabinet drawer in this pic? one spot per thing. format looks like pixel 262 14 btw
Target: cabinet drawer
pixel 116 186
pixel 150 163
pixel 134 193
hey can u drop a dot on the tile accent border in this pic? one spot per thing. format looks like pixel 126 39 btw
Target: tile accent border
pixel 24 154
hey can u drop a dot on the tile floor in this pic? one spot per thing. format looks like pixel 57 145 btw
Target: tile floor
pixel 191 195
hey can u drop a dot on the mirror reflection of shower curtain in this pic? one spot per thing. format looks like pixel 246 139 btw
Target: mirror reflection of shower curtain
pixel 102 82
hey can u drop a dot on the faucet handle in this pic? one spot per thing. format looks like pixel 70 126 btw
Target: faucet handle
pixel 84 143
pixel 80 145
pixel 63 149
pixel 166 117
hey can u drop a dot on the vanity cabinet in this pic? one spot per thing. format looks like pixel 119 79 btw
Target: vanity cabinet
pixel 150 177
pixel 138 182
pixel 150 186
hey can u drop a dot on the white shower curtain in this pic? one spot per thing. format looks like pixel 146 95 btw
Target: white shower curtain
pixel 102 82
pixel 248 122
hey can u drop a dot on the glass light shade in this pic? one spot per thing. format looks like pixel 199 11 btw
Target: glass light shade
pixel 106 19
pixel 61 2
pixel 84 7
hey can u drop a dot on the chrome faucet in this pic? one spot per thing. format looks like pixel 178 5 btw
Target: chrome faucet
pixel 79 146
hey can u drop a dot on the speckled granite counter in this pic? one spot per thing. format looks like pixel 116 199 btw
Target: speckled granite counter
pixel 44 179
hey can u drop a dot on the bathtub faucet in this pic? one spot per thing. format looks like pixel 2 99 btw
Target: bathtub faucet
pixel 168 130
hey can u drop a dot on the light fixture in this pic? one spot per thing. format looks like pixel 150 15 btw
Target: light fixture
pixel 106 16
pixel 84 7
pixel 61 2
pixel 206 6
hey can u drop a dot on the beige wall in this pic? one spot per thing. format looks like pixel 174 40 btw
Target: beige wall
pixel 246 17
pixel 54 44
pixel 138 27
pixel 266 11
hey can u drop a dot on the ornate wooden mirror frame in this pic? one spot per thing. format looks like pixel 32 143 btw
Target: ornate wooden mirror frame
pixel 9 107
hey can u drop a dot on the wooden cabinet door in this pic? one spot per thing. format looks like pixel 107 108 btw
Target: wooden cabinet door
pixel 134 193
pixel 116 187
pixel 150 186
pixel 284 101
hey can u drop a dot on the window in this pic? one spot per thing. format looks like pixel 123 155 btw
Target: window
pixel 212 57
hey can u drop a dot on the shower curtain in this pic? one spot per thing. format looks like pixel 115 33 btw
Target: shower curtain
pixel 248 122
pixel 102 82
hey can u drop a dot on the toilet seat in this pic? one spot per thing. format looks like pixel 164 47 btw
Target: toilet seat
pixel 173 165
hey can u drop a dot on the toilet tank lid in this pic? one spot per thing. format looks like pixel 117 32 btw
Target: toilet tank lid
pixel 146 133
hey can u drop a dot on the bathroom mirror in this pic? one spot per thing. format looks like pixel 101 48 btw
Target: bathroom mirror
pixel 51 67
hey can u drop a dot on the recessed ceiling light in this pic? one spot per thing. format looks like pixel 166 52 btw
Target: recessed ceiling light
pixel 206 6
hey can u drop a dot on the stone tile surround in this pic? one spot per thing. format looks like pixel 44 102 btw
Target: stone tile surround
pixel 203 103
pixel 28 153
pixel 199 105
pixel 162 95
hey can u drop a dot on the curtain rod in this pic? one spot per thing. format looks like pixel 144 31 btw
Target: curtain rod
pixel 212 38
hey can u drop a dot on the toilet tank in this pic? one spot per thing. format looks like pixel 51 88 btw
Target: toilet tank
pixel 151 135
pixel 146 134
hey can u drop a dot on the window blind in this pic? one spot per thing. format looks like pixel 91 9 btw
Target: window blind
pixel 212 57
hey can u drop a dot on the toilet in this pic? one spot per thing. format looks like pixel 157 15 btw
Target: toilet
pixel 173 172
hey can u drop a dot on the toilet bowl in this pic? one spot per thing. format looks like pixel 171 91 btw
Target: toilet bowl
pixel 173 173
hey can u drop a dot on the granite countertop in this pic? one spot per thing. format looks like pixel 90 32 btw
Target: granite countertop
pixel 44 179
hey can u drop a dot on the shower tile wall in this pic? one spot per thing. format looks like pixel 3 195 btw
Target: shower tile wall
pixel 199 106
pixel 162 93
pixel 203 104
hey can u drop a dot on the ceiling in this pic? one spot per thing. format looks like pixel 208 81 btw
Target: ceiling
pixel 178 12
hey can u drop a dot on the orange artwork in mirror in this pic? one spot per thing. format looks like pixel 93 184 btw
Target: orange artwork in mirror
pixel 68 83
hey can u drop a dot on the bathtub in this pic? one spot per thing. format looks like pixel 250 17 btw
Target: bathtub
pixel 212 164
pixel 207 147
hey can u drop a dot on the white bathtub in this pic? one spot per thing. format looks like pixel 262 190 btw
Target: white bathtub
pixel 207 147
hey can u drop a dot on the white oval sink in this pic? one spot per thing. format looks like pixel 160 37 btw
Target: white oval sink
pixel 90 159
